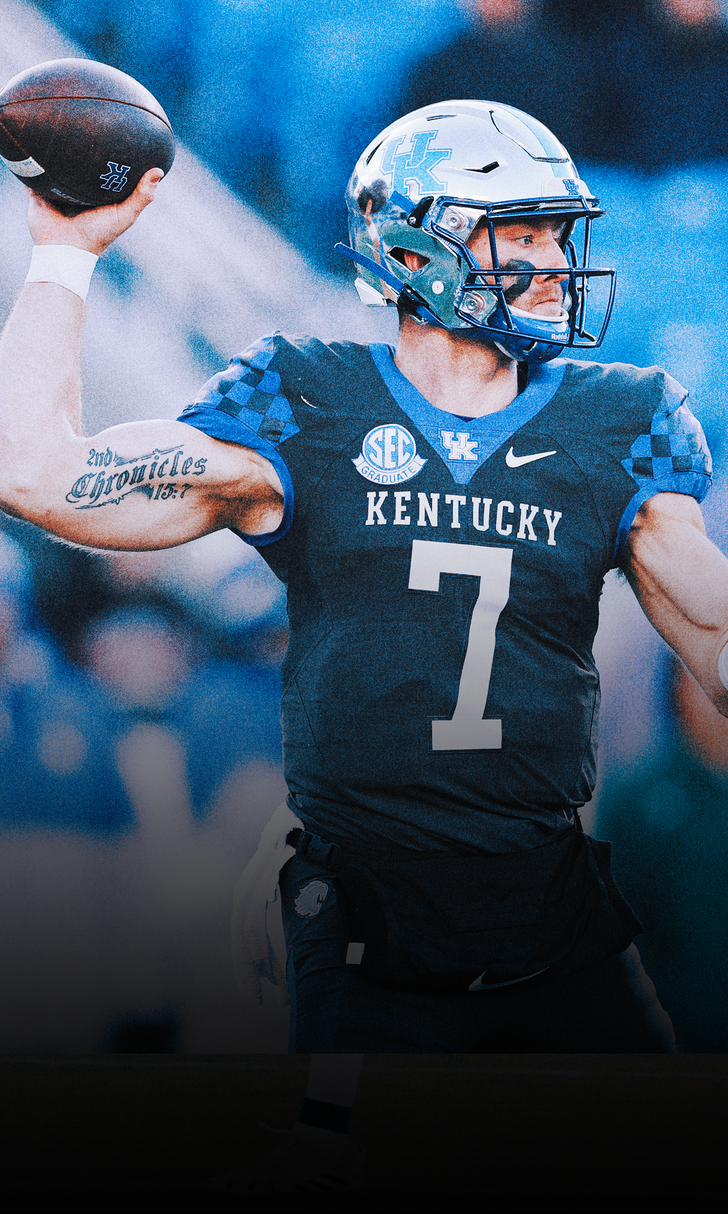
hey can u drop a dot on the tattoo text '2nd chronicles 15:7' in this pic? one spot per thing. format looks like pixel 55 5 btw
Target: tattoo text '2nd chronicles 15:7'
pixel 114 477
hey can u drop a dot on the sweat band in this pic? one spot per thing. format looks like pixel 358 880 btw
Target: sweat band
pixel 62 263
pixel 723 666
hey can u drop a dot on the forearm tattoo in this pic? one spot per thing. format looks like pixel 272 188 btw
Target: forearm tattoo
pixel 152 474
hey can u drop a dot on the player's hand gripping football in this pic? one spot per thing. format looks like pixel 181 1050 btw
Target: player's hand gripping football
pixel 92 230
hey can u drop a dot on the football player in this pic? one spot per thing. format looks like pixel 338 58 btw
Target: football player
pixel 444 516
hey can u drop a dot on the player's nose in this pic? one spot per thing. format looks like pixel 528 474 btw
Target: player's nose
pixel 552 258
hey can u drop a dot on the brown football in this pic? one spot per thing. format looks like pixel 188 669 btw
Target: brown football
pixel 81 134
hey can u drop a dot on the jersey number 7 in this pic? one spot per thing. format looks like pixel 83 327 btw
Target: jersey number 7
pixel 466 730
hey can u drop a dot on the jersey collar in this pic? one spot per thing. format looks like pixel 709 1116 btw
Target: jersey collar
pixel 464 445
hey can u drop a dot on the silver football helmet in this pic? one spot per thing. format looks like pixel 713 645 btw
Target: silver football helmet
pixel 428 180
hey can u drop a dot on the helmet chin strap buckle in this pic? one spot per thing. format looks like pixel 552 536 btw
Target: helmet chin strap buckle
pixel 416 307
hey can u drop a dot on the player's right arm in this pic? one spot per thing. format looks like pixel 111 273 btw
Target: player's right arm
pixel 142 485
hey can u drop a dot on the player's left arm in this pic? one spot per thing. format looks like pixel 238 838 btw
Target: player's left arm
pixel 681 581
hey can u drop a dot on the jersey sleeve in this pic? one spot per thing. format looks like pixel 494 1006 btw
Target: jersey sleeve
pixel 245 404
pixel 672 458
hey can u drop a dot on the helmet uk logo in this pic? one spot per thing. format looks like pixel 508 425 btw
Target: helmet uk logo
pixel 115 179
pixel 414 168
pixel 310 899
pixel 388 456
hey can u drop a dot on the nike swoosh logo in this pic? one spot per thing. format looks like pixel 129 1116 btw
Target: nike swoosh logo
pixel 515 461
pixel 479 985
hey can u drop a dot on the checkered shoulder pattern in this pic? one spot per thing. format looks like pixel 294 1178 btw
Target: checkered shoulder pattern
pixel 675 448
pixel 244 404
pixel 672 458
pixel 248 391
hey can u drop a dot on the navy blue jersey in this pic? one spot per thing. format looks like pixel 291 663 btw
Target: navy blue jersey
pixel 444 577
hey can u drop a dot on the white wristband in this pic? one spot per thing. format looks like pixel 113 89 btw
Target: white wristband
pixel 723 666
pixel 62 263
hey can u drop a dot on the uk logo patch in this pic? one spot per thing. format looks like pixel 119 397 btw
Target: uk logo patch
pixel 388 456
pixel 310 899
pixel 459 445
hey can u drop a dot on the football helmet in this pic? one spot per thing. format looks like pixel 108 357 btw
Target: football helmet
pixel 425 184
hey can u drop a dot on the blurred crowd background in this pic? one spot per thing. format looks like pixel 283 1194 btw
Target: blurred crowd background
pixel 139 736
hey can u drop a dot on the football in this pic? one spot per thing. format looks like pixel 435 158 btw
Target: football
pixel 81 134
